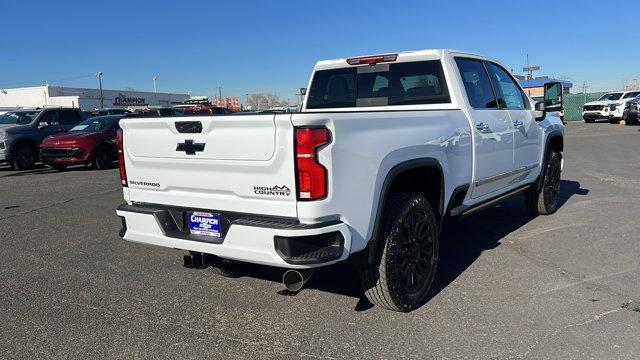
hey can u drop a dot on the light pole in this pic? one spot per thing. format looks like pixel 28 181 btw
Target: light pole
pixel 155 88
pixel 99 75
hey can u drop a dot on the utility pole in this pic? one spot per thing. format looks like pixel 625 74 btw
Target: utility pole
pixel 247 103
pixel 99 75
pixel 530 69
pixel 584 91
pixel 155 88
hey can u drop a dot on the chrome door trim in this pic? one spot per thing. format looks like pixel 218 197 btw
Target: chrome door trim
pixel 505 175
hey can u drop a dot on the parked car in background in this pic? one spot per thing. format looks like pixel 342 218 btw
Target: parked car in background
pixel 631 111
pixel 205 110
pixel 157 112
pixel 21 133
pixel 109 111
pixel 92 142
pixel 616 108
pixel 599 109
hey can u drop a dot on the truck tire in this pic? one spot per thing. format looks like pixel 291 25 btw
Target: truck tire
pixel 400 277
pixel 544 201
pixel 23 157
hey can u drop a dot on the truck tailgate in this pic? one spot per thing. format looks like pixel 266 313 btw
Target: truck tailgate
pixel 236 163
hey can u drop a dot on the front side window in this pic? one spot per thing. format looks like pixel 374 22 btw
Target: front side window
pixel 409 83
pixel 476 84
pixel 50 118
pixel 509 94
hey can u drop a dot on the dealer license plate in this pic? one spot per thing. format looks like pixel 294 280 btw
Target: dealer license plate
pixel 204 224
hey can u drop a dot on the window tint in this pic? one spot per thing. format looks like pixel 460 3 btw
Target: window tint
pixel 69 117
pixel 385 84
pixel 333 89
pixel 476 84
pixel 631 94
pixel 49 117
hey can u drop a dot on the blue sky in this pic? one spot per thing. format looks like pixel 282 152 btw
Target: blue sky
pixel 271 46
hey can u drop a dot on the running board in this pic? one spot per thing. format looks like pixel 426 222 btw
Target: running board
pixel 464 210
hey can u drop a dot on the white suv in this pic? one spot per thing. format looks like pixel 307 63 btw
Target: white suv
pixel 616 108
pixel 386 150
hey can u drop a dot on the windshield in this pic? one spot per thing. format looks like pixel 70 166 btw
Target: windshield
pixel 97 124
pixel 611 96
pixel 631 94
pixel 18 117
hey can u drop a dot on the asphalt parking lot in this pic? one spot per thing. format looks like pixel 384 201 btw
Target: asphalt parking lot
pixel 509 285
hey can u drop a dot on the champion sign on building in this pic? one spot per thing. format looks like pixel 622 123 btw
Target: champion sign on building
pixel 123 100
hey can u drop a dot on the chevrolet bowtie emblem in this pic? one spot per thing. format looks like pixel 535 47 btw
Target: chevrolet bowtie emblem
pixel 190 147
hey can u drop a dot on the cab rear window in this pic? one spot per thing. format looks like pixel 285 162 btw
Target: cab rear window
pixel 409 83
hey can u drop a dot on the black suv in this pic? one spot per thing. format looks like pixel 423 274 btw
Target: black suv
pixel 22 131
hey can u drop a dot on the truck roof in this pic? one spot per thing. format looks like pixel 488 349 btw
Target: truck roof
pixel 415 55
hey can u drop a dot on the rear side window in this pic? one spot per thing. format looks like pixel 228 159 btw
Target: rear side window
pixel 476 84
pixel 69 117
pixel 420 82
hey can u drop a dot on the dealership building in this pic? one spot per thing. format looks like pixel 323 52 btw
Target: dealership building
pixel 83 98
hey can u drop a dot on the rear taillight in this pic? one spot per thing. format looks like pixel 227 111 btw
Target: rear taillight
pixel 123 171
pixel 312 177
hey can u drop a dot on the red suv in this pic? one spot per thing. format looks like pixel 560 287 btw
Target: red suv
pixel 92 142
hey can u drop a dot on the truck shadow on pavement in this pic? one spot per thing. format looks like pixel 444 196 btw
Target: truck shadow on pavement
pixel 462 242
pixel 39 169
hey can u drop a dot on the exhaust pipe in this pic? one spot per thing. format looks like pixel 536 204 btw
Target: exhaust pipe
pixel 294 280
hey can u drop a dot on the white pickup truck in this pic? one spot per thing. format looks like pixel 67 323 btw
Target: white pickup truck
pixel 385 151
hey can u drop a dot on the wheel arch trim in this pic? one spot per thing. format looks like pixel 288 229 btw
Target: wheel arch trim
pixel 396 170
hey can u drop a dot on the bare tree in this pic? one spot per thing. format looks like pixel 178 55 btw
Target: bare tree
pixel 265 101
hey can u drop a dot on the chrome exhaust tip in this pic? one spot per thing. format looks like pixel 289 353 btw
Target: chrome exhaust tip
pixel 294 280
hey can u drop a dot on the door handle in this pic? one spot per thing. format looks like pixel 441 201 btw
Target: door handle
pixel 482 126
pixel 517 123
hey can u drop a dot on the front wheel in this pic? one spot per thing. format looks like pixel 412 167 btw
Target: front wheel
pixel 23 157
pixel 103 158
pixel 400 277
pixel 544 201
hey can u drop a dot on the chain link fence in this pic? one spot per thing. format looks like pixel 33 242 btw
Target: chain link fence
pixel 573 104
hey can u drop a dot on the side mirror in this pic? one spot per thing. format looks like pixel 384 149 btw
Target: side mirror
pixel 539 111
pixel 553 96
